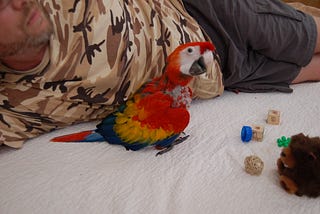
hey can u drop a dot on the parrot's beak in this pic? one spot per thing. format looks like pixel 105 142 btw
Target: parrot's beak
pixel 198 67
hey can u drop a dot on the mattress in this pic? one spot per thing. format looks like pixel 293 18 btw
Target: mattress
pixel 204 174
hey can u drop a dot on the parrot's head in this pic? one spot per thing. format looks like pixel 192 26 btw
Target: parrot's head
pixel 188 60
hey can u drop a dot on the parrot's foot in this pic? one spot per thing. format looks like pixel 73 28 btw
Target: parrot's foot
pixel 176 142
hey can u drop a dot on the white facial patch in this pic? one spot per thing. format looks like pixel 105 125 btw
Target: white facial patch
pixel 191 54
pixel 187 58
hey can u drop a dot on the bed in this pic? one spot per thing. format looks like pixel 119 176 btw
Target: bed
pixel 204 174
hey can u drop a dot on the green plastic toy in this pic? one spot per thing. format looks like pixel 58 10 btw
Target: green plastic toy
pixel 283 141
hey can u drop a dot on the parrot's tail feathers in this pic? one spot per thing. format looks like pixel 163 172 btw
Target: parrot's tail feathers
pixel 85 136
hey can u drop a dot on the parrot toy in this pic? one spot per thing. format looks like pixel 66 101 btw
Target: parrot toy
pixel 157 113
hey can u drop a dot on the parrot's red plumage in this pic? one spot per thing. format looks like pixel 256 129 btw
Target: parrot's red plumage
pixel 157 113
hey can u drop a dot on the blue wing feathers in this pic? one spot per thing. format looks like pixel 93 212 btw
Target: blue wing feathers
pixel 135 147
pixel 94 137
pixel 167 142
pixel 105 132
pixel 105 128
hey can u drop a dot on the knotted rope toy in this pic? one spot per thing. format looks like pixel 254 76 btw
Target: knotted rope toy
pixel 253 165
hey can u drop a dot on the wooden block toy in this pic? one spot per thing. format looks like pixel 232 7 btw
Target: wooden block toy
pixel 254 133
pixel 273 117
pixel 258 132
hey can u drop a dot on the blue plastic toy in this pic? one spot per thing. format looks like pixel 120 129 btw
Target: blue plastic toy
pixel 246 134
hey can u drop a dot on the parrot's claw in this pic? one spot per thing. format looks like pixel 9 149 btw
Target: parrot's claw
pixel 180 140
pixel 176 142
pixel 165 150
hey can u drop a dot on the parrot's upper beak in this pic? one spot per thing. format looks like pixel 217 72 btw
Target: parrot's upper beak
pixel 198 67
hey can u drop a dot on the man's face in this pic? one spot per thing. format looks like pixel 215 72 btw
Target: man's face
pixel 23 24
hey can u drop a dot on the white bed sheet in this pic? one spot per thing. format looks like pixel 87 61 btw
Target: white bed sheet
pixel 205 174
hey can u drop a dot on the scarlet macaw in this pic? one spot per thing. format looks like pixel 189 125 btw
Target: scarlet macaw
pixel 157 113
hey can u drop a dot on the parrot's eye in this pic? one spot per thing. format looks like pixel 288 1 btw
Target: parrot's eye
pixel 190 50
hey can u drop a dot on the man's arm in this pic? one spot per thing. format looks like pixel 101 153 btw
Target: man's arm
pixel 18 126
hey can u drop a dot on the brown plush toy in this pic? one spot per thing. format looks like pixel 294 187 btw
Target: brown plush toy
pixel 299 166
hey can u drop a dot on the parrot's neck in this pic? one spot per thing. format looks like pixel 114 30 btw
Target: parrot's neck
pixel 178 89
pixel 182 96
pixel 170 81
pixel 165 83
pixel 180 93
pixel 176 78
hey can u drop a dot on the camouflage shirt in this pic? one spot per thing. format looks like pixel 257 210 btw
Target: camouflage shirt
pixel 100 53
